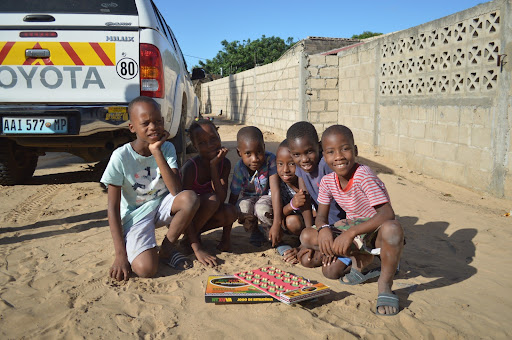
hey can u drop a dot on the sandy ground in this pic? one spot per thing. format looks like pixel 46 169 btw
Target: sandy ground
pixel 56 250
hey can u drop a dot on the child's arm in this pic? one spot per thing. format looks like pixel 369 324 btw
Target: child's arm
pixel 325 238
pixel 274 234
pixel 121 268
pixel 343 242
pixel 307 214
pixel 170 176
pixel 188 174
pixel 220 184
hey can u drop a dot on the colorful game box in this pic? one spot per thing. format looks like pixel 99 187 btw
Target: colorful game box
pixel 285 287
pixel 229 289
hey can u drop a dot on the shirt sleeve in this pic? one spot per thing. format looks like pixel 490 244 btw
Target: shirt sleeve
pixel 272 165
pixel 324 193
pixel 113 173
pixel 374 189
pixel 169 152
pixel 236 182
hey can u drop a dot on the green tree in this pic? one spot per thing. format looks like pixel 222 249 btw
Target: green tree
pixel 237 56
pixel 365 34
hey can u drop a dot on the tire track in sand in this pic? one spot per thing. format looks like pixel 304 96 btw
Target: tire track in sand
pixel 31 208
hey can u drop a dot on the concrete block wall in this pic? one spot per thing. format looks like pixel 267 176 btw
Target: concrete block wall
pixel 322 90
pixel 433 98
pixel 266 96
pixel 357 96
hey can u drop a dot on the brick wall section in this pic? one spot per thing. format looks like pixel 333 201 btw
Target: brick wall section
pixel 266 96
pixel 357 96
pixel 322 90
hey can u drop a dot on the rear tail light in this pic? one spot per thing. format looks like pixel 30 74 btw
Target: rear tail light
pixel 151 72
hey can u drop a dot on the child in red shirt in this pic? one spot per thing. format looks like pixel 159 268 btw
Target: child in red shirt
pixel 370 220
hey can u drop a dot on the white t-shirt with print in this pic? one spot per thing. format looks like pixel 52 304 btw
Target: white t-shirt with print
pixel 142 186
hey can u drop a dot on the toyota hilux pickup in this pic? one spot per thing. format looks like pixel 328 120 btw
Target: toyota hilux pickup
pixel 69 68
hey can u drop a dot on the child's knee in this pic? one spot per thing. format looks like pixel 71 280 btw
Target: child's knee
pixel 308 237
pixel 294 224
pixel 392 233
pixel 210 203
pixel 230 213
pixel 189 200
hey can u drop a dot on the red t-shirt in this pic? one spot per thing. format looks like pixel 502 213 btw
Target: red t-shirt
pixel 363 192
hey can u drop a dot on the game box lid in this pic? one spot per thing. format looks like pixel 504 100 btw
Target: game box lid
pixel 230 289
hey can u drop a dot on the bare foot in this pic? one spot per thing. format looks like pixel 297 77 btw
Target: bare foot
pixel 205 258
pixel 224 246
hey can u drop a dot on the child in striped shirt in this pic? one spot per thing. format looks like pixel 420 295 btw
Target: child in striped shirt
pixel 370 219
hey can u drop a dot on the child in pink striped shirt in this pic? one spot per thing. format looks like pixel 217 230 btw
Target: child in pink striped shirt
pixel 370 219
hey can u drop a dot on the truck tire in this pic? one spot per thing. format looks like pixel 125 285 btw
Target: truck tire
pixel 17 163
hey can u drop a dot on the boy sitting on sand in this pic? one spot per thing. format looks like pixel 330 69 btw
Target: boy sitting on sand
pixel 144 192
pixel 254 174
pixel 370 218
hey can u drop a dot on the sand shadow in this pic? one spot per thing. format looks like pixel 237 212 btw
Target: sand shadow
pixel 90 173
pixel 89 221
pixel 432 253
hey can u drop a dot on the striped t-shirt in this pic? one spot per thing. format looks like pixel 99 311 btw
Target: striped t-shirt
pixel 363 192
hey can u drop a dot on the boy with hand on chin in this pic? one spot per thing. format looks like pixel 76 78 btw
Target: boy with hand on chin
pixel 370 218
pixel 254 174
pixel 144 192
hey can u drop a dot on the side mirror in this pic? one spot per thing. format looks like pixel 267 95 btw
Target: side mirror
pixel 198 73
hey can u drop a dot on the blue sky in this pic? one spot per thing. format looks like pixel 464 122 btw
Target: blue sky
pixel 200 25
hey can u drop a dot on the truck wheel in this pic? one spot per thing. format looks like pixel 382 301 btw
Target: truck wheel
pixel 17 163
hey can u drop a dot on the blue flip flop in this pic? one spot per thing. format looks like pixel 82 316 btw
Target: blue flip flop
pixel 283 248
pixel 355 277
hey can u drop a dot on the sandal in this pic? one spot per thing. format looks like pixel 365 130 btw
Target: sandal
pixel 283 248
pixel 387 299
pixel 179 261
pixel 355 277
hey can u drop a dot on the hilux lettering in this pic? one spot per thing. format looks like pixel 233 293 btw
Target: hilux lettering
pixel 50 76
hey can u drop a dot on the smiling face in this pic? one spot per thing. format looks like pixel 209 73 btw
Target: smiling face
pixel 340 154
pixel 252 152
pixel 305 153
pixel 206 140
pixel 146 122
pixel 285 166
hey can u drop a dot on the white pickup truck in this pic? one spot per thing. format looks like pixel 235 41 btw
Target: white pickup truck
pixel 69 68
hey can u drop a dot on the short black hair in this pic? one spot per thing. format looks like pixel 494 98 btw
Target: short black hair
pixel 284 144
pixel 249 133
pixel 142 99
pixel 339 129
pixel 301 130
pixel 197 124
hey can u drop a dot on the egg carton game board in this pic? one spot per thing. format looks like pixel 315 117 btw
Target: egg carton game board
pixel 282 285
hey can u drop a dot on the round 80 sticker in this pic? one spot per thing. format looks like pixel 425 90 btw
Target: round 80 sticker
pixel 127 68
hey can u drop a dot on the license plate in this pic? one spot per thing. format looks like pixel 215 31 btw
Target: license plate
pixel 32 125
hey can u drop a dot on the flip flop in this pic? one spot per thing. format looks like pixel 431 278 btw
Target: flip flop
pixel 387 299
pixel 283 248
pixel 355 277
pixel 179 261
